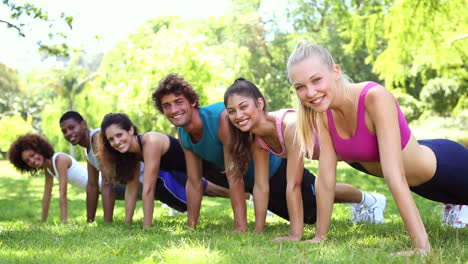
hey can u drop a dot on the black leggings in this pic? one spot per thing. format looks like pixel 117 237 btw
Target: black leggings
pixel 277 200
pixel 450 181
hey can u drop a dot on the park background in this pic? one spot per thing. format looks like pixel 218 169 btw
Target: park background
pixel 109 56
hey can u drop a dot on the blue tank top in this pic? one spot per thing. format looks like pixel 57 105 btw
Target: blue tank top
pixel 210 147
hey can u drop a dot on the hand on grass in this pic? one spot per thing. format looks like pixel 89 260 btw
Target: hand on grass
pixel 417 251
pixel 287 238
pixel 240 229
pixel 316 239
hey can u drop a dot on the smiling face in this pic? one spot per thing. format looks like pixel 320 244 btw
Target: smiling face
pixel 243 111
pixel 315 83
pixel 119 139
pixel 73 131
pixel 177 109
pixel 32 158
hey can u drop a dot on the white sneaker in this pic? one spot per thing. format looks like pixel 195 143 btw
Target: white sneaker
pixel 373 213
pixel 251 203
pixel 172 212
pixel 455 215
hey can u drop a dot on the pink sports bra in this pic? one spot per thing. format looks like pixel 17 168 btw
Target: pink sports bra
pixel 363 145
pixel 279 130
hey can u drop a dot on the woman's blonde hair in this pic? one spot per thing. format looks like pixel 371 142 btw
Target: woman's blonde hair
pixel 306 117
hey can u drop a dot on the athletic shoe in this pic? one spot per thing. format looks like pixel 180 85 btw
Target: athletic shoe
pixel 455 215
pixel 251 203
pixel 373 213
pixel 172 212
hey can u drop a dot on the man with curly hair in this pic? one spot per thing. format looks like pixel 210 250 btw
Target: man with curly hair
pixel 204 135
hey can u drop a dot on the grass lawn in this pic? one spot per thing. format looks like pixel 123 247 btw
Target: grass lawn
pixel 24 239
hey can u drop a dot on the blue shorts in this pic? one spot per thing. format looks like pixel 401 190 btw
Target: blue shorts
pixel 170 189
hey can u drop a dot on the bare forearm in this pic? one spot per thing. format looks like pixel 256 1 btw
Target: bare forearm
pixel 92 196
pixel 238 205
pixel 194 197
pixel 261 207
pixel 148 208
pixel 325 199
pixel 295 210
pixel 108 201
pixel 130 203
pixel 45 209
pixel 63 208
pixel 409 213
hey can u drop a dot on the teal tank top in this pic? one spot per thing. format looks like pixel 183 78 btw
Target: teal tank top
pixel 210 147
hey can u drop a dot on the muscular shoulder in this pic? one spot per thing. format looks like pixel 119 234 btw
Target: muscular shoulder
pixel 63 161
pixel 95 141
pixel 155 139
pixel 378 95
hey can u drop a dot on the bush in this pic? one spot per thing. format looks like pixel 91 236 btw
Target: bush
pixel 441 95
pixel 11 127
pixel 410 106
pixel 461 109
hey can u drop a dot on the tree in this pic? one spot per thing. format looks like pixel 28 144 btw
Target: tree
pixel 410 41
pixel 337 25
pixel 22 16
pixel 8 135
pixel 131 71
pixel 18 98
pixel 70 82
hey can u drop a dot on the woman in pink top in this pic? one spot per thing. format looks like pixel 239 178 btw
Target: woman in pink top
pixel 256 132
pixel 362 123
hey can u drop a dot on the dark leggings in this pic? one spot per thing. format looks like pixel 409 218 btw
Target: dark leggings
pixel 450 181
pixel 170 190
pixel 277 200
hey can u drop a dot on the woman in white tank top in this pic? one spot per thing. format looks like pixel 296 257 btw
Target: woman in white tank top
pixel 33 153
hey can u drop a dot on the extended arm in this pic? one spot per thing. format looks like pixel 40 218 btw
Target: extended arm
pixel 236 183
pixel 152 157
pixel 63 163
pixel 294 174
pixel 381 106
pixel 237 192
pixel 194 187
pixel 261 188
pixel 108 197
pixel 325 184
pixel 48 184
pixel 131 192
pixel 92 193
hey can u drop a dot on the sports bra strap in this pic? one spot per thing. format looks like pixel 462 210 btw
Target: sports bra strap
pixel 140 142
pixel 361 117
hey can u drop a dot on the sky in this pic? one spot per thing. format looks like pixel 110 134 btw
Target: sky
pixel 111 20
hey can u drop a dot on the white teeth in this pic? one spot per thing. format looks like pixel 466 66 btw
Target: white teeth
pixel 317 100
pixel 177 116
pixel 241 123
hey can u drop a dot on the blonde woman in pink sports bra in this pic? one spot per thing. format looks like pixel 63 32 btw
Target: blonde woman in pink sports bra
pixel 362 123
pixel 258 132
